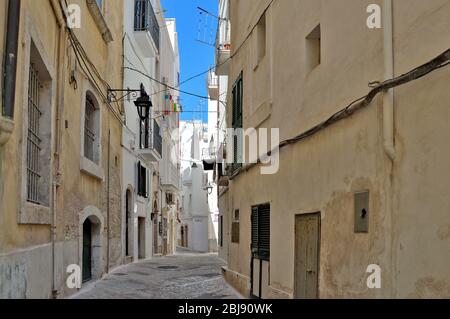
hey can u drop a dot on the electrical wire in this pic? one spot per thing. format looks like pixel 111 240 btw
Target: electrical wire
pixel 173 88
pixel 437 63
pixel 234 53
pixel 83 59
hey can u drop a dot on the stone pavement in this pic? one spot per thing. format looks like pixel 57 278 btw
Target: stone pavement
pixel 186 275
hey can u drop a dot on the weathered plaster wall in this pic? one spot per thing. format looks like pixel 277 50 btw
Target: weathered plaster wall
pixel 410 240
pixel 25 249
pixel 421 202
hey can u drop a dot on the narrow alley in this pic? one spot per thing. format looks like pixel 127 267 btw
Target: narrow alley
pixel 186 275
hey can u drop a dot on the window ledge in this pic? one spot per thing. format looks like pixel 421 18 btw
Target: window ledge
pixel 99 20
pixel 261 114
pixel 6 129
pixel 35 214
pixel 90 168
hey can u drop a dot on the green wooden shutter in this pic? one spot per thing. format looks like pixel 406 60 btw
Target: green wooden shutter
pixel 138 178
pixel 254 221
pixel 237 121
pixel 264 232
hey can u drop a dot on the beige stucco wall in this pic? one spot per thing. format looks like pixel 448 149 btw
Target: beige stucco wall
pixel 410 241
pixel 76 191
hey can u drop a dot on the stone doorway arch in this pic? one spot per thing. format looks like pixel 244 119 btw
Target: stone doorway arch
pixel 91 224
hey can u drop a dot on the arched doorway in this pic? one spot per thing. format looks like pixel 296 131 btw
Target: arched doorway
pixel 91 243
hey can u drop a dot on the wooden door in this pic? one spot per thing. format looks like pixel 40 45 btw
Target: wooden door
pixel 87 251
pixel 307 252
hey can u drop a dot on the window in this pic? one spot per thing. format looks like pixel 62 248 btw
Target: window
pixel 38 131
pixel 313 49
pixel 34 136
pixel 235 227
pixel 170 199
pixel 145 20
pixel 261 39
pixel 142 189
pixel 260 220
pixel 144 133
pixel 237 123
pixel 90 136
pixel 90 129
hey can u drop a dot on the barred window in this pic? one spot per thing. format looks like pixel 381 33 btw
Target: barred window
pixel 91 127
pixel 33 137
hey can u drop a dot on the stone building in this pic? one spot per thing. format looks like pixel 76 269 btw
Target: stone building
pixel 367 189
pixel 60 156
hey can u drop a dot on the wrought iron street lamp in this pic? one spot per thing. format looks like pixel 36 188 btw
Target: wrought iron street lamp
pixel 143 103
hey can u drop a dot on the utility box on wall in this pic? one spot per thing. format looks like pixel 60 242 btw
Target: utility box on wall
pixel 362 212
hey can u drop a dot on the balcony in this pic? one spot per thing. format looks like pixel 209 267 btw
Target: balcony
pixel 146 28
pixel 170 176
pixel 209 152
pixel 150 142
pixel 212 82
pixel 223 51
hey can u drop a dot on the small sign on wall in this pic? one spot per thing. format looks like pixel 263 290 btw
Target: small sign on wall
pixel 362 212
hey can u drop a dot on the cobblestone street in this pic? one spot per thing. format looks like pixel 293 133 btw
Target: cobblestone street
pixel 186 275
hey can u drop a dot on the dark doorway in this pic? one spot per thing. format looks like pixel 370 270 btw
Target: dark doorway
pixel 87 250
pixel 155 227
pixel 307 252
pixel 141 238
pixel 127 222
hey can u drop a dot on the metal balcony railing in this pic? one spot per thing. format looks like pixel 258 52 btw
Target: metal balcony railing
pixel 157 138
pixel 208 152
pixel 150 139
pixel 223 35
pixel 145 19
pixel 212 80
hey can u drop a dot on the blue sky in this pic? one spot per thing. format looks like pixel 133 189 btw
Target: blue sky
pixel 195 57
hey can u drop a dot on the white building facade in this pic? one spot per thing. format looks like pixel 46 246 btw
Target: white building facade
pixel 196 230
pixel 151 60
pixel 223 49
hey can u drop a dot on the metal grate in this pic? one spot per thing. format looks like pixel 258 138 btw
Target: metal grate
pixel 145 19
pixel 33 138
pixel 157 138
pixel 89 129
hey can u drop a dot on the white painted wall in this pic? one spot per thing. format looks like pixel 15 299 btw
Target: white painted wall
pixel 195 197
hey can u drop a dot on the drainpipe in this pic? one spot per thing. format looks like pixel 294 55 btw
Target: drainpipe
pixel 10 64
pixel 10 70
pixel 60 109
pixel 388 97
pixel 107 201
